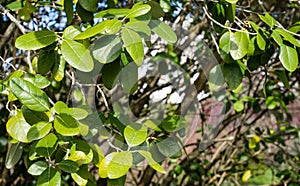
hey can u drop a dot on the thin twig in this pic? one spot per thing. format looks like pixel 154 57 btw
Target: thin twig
pixel 226 27
pixel 13 19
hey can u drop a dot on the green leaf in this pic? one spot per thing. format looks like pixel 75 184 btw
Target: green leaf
pixel 14 154
pixel 68 7
pixel 163 30
pixel 230 12
pixel 49 177
pixel 71 32
pixel 129 77
pixel 156 9
pixel 103 167
pixel 77 113
pixel 295 27
pixel 271 102
pixel 238 106
pixel 58 70
pixel 17 127
pixel 46 60
pixel 134 136
pixel 83 176
pixel 39 130
pixel 254 26
pixel 66 125
pixel 277 38
pixel 33 117
pixel 260 40
pixel 119 164
pixel 288 57
pixel 134 45
pixel 246 176
pixel 268 19
pixel 16 5
pixel 232 1
pixel 147 155
pixel 77 55
pixel 130 37
pixel 107 48
pixel 68 166
pixel 89 5
pixel 85 15
pixel 140 27
pixel 169 147
pixel 288 37
pixel 138 10
pixel 39 81
pixel 238 44
pixel 46 146
pixel 37 168
pixel 233 75
pixel 116 182
pixel 283 77
pixel 224 43
pixel 29 95
pixel 36 40
pixel 114 12
pixel 105 27
pixel 110 72
pixel 215 78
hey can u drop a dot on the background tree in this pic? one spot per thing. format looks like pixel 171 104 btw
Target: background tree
pixel 68 65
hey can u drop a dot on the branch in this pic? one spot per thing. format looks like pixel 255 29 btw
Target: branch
pixel 13 19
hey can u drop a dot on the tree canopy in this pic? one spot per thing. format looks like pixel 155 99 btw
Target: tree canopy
pixel 168 92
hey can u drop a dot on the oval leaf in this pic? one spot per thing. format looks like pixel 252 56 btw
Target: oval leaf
pixel 29 95
pixel 46 146
pixel 39 130
pixel 77 55
pixel 238 44
pixel 107 48
pixel 147 155
pixel 14 154
pixel 17 127
pixel 37 168
pixel 163 30
pixel 49 177
pixel 66 125
pixel 135 137
pixel 68 166
pixel 36 40
pixel 138 10
pixel 288 57
pixel 119 164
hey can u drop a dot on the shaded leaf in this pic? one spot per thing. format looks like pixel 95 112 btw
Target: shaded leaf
pixel 68 166
pixel 163 30
pixel 14 154
pixel 39 130
pixel 233 75
pixel 46 146
pixel 238 44
pixel 107 48
pixel 49 177
pixel 66 125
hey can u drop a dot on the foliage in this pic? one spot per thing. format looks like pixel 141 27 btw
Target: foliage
pixel 54 131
